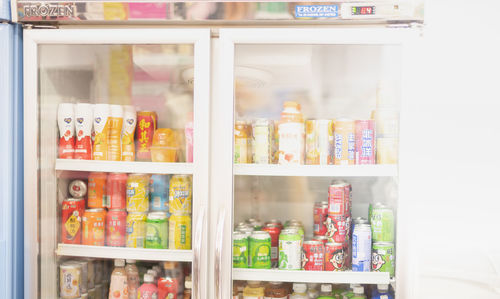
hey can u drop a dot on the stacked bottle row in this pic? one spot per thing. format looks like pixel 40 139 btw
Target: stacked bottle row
pixel 98 279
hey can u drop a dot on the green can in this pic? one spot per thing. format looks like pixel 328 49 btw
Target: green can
pixel 157 230
pixel 299 229
pixel 383 257
pixel 382 223
pixel 260 250
pixel 240 250
pixel 290 250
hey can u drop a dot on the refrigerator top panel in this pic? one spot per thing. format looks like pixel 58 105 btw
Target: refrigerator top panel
pixel 222 13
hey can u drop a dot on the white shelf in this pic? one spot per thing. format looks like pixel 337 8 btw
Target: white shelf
pixel 312 276
pixel 387 170
pixel 122 166
pixel 124 253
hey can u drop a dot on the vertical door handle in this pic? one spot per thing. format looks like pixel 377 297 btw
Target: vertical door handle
pixel 219 243
pixel 198 238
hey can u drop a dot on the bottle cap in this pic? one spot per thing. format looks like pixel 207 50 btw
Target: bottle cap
pixel 253 282
pixel 119 262
pixel 359 290
pixel 299 287
pixel 148 278
pixel 152 272
pixel 383 287
pixel 326 288
pixel 130 261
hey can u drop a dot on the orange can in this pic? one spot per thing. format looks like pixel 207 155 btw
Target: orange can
pixel 97 190
pixel 94 227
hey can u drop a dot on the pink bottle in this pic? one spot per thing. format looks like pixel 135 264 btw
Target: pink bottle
pixel 148 289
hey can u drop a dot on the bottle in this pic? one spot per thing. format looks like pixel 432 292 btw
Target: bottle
pixel 359 293
pixel 276 290
pixel 312 291
pixel 383 292
pixel 326 292
pixel 66 124
pixel 299 291
pixel 118 285
pixel 253 290
pixel 154 274
pixel 349 293
pixel 291 133
pixel 188 285
pixel 128 130
pixel 168 285
pixel 115 132
pixel 133 282
pixel 148 289
pixel 101 132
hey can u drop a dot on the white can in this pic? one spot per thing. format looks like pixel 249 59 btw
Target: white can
pixel 70 274
pixel 361 248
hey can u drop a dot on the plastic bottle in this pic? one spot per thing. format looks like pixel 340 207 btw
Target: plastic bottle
pixel 168 285
pixel 154 274
pixel 148 289
pixel 291 132
pixel 133 282
pixel 383 292
pixel 312 291
pixel 188 285
pixel 359 293
pixel 299 291
pixel 118 285
pixel 276 290
pixel 349 293
pixel 253 290
pixel 326 292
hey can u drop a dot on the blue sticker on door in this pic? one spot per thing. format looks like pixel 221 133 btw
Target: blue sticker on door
pixel 316 11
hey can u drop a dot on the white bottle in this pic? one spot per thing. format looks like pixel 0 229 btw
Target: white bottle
pixel 326 290
pixel 118 286
pixel 359 292
pixel 312 290
pixel 299 291
pixel 133 282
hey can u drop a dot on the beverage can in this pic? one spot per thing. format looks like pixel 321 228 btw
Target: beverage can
pixel 240 250
pixel 313 256
pixel 93 227
pixel 383 257
pixel 71 218
pixel 66 124
pixel 322 239
pixel 101 131
pixel 344 139
pixel 335 257
pixel 319 142
pixel 77 189
pixel 242 142
pixel 275 222
pixel 382 222
pixel 338 199
pixel 260 250
pixel 136 229
pixel 83 129
pixel 116 189
pixel 255 223
pixel 365 141
pixel 84 275
pixel 179 232
pixel 97 189
pixel 290 250
pixel 180 196
pixel 337 228
pixel 361 248
pixel 159 192
pixel 320 215
pixel 146 126
pixel 128 129
pixel 274 232
pixel 138 193
pixel 359 220
pixel 116 228
pixel 69 280
pixel 262 136
pixel 157 230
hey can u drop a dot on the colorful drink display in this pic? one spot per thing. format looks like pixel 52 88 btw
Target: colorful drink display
pixel 123 279
pixel 128 210
pixel 339 242
pixel 119 133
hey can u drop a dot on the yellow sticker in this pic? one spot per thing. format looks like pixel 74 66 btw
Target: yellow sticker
pixel 72 225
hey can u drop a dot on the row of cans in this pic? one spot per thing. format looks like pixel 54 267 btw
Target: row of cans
pixel 85 278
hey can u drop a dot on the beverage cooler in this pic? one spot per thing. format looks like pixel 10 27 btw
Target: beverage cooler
pixel 217 149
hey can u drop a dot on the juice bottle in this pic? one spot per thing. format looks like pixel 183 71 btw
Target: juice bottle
pixel 383 292
pixel 132 278
pixel 148 289
pixel 299 291
pixel 83 130
pixel 118 285
pixel 326 292
pixel 168 285
pixel 101 130
pixel 359 293
pixel 115 133
pixel 66 123
pixel 128 130
pixel 312 291
pixel 275 290
pixel 188 285
pixel 291 135
pixel 253 290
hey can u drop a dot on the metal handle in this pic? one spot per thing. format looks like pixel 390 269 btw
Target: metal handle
pixel 198 238
pixel 219 241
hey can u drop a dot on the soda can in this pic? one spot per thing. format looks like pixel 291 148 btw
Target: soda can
pixel 299 229
pixel 365 141
pixel 240 250
pixel 382 222
pixel 262 134
pixel 313 256
pixel 335 257
pixel 322 239
pixel 93 227
pixel 146 126
pixel 319 142
pixel 84 275
pixel 157 230
pixel 77 189
pixel 97 190
pixel 116 228
pixel 116 189
pixel 247 231
pixel 359 220
pixel 72 213
pixel 344 139
pixel 70 274
pixel 159 192
pixel 179 232
pixel 136 229
pixel 361 248
pixel 337 228
pixel 320 215
pixel 274 232
pixel 290 250
pixel 338 199
pixel 180 197
pixel 383 257
pixel 138 193
pixel 260 250
pixel 242 142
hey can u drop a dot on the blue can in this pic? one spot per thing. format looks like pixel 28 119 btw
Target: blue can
pixel 361 248
pixel 158 193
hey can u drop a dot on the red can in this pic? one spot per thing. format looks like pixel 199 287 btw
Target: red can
pixel 116 225
pixel 322 239
pixel 313 256
pixel 274 231
pixel 146 126
pixel 71 226
pixel 335 257
pixel 93 227
pixel 116 188
pixel 338 198
pixel 320 215
pixel 337 228
pixel 365 141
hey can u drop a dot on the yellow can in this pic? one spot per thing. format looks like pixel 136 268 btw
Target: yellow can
pixel 179 236
pixel 138 193
pixel 180 196
pixel 136 229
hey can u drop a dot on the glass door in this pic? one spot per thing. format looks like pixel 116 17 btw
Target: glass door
pixel 314 205
pixel 116 166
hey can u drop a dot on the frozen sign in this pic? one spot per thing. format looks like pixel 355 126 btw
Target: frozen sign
pixel 316 11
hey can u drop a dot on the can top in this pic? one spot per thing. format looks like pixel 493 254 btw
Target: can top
pixel 313 243
pixel 97 210
pixel 237 235
pixel 246 229
pixel 383 244
pixel 74 199
pixel 117 210
pixel 334 244
pixel 289 231
pixel 274 221
pixel 320 238
pixel 137 213
pixel 361 220
pixel 157 215
pixel 362 226
pixel 260 235
pixel 321 203
pixel 337 183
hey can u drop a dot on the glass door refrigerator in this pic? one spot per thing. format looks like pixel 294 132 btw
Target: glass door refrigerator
pixel 116 165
